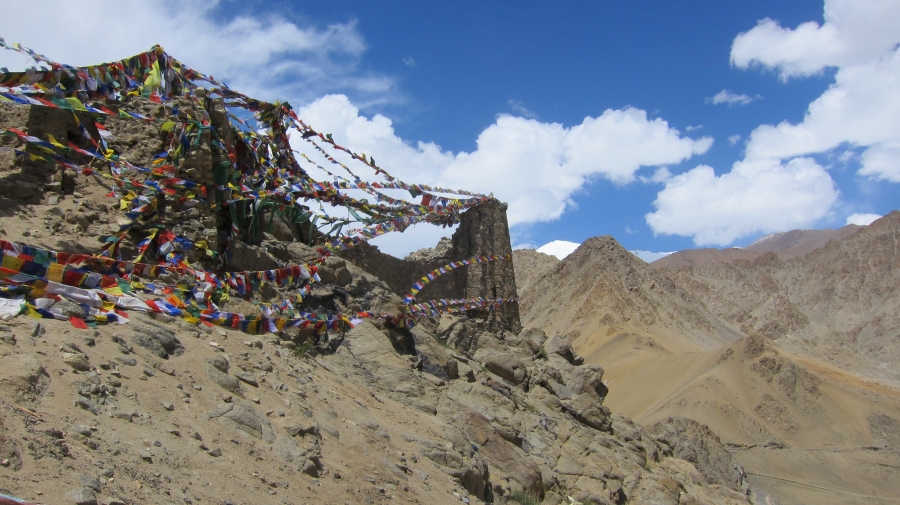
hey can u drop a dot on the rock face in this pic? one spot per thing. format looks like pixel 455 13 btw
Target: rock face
pixel 527 423
pixel 691 441
pixel 530 265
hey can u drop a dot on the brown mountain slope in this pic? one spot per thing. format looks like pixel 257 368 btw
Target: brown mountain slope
pixel 794 243
pixel 786 245
pixel 839 303
pixel 695 257
pixel 602 290
pixel 668 349
pixel 530 265
pixel 793 418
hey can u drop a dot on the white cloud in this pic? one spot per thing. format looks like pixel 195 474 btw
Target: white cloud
pixel 855 32
pixel 660 175
pixel 409 61
pixel 729 98
pixel 861 108
pixel 862 219
pixel 734 139
pixel 414 238
pixel 649 256
pixel 694 128
pixel 559 248
pixel 264 56
pixel 519 108
pixel 756 196
pixel 882 161
pixel 535 167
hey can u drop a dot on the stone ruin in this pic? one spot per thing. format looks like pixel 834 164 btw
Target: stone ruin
pixel 482 230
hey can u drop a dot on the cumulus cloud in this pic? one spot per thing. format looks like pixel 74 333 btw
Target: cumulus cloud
pixel 854 33
pixel 861 108
pixel 729 98
pixel 409 61
pixel 734 139
pixel 776 188
pixel 559 248
pixel 265 56
pixel 862 219
pixel 694 128
pixel 536 167
pixel 882 161
pixel 756 196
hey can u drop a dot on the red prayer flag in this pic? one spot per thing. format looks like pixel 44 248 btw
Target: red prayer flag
pixel 78 323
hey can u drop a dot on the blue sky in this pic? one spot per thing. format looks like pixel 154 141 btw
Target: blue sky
pixel 591 119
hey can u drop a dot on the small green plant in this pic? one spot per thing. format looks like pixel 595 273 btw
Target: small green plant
pixel 302 348
pixel 524 498
pixel 542 353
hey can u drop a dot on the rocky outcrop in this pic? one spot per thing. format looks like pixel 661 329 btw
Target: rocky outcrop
pixel 691 441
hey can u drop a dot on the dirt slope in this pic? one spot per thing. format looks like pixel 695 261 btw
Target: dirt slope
pixel 217 416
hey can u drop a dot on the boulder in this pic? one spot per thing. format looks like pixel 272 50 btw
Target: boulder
pixel 588 379
pixel 76 360
pixel 508 366
pixel 533 338
pixel 69 309
pixel 157 339
pixel 560 345
pixel 217 370
pixel 248 257
pixel 82 496
pixel 242 416
pixel 587 409
pixel 342 276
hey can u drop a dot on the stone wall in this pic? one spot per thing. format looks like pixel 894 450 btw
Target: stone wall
pixel 483 230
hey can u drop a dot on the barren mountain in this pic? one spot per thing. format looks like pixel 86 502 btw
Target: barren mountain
pixel 601 290
pixel 786 245
pixel 793 243
pixel 692 257
pixel 839 303
pixel 672 343
pixel 530 265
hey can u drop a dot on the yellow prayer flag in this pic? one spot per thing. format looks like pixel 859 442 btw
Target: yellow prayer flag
pixel 55 272
pixel 114 290
pixel 54 141
pixel 13 263
pixel 76 103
